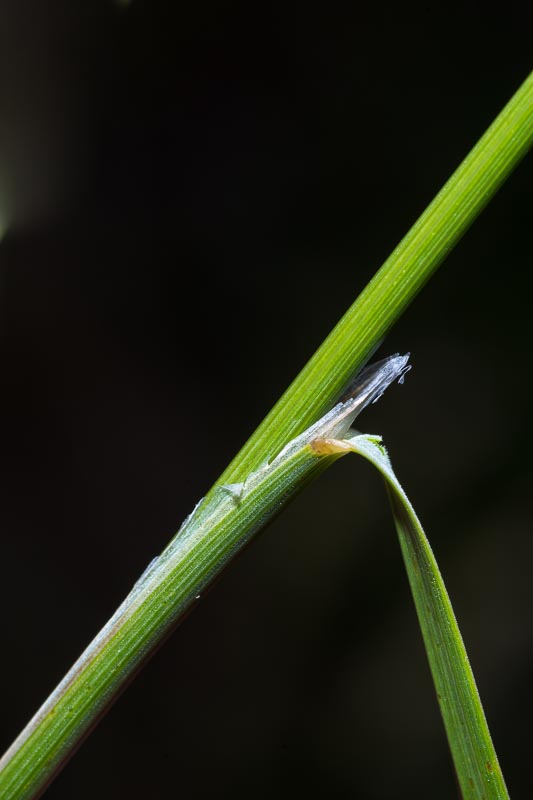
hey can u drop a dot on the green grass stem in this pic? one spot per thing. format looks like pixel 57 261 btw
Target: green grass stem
pixel 396 284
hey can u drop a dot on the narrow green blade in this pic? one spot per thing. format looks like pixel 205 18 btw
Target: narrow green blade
pixel 473 753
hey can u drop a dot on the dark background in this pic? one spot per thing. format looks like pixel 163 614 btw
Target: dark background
pixel 194 196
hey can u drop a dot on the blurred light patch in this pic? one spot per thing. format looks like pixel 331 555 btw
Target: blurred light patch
pixel 4 222
pixel 45 135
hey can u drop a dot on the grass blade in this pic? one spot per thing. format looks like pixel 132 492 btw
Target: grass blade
pixel 476 763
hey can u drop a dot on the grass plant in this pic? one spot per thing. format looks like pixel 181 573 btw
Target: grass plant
pixel 300 437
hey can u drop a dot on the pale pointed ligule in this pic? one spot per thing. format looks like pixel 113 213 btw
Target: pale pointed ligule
pixel 367 387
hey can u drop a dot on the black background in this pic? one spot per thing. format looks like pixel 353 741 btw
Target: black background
pixel 194 196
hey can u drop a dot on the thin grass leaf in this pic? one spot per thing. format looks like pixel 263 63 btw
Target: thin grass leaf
pixel 476 763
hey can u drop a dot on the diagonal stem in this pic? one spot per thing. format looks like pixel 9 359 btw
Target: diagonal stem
pixel 397 283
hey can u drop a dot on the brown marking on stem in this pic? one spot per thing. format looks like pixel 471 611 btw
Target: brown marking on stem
pixel 329 447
